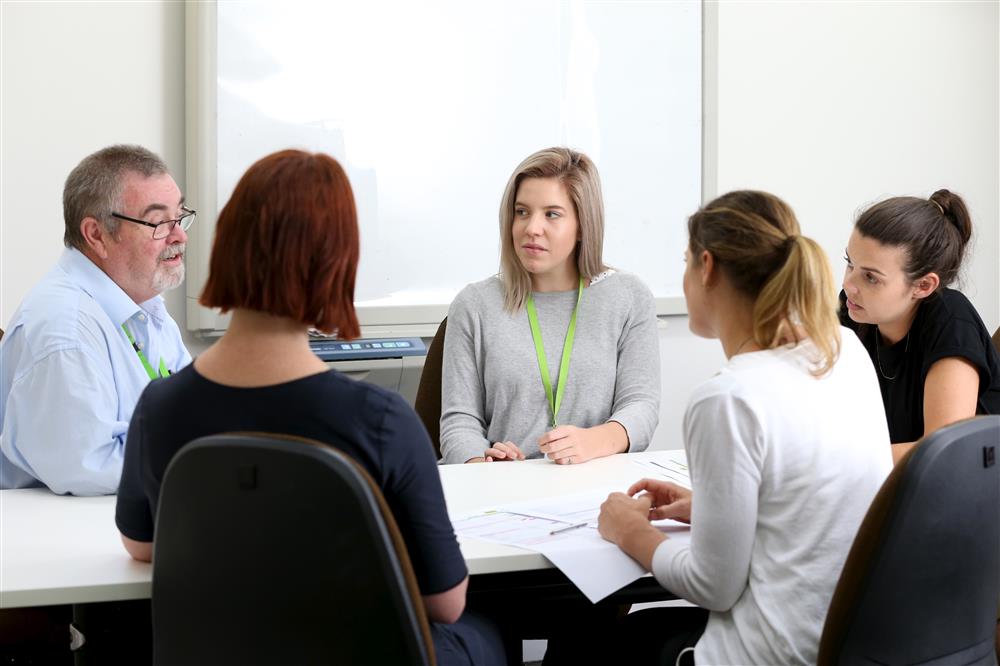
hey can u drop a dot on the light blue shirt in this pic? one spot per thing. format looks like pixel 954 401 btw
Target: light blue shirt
pixel 69 378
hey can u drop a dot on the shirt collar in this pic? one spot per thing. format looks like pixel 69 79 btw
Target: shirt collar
pixel 95 282
pixel 155 308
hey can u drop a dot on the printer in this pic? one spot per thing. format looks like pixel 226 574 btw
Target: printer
pixel 392 363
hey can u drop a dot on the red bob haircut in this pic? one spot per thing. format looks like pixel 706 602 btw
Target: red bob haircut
pixel 287 244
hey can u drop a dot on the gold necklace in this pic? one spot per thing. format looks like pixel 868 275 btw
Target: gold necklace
pixel 878 361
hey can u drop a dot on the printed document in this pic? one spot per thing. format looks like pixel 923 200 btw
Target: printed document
pixel 564 530
pixel 670 465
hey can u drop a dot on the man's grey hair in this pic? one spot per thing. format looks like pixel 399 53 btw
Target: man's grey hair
pixel 94 188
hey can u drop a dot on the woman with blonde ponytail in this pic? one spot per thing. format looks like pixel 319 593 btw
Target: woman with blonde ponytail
pixel 783 447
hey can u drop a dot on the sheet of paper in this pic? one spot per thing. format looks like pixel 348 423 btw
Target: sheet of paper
pixel 510 529
pixel 596 566
pixel 570 509
pixel 670 465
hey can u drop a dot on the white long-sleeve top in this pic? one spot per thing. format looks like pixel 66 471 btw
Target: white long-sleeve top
pixel 783 468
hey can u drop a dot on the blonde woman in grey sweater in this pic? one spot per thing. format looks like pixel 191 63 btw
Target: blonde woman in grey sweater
pixel 558 355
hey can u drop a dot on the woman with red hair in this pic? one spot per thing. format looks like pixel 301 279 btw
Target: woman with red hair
pixel 284 260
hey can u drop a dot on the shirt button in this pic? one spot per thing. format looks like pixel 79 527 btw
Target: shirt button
pixel 142 317
pixel 139 345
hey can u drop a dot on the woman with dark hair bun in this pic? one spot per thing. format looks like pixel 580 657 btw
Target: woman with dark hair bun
pixel 933 355
pixel 284 260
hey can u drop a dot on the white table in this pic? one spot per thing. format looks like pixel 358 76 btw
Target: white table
pixel 470 487
pixel 66 550
pixel 56 549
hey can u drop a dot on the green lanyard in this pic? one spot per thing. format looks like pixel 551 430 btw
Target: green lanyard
pixel 543 366
pixel 164 372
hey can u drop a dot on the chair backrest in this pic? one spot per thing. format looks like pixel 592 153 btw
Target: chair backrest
pixel 921 582
pixel 278 550
pixel 427 404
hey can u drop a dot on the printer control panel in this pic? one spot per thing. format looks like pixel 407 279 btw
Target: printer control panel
pixel 367 348
pixel 392 363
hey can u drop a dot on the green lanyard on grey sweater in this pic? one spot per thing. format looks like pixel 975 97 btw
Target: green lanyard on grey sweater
pixel 536 334
pixel 164 372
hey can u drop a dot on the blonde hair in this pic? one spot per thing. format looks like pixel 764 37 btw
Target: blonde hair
pixel 755 240
pixel 578 175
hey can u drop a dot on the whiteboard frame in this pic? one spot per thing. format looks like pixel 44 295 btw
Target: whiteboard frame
pixel 201 117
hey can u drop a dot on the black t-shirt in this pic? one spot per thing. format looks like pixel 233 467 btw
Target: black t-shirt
pixel 374 426
pixel 946 325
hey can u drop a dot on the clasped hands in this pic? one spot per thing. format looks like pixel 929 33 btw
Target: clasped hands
pixel 625 514
pixel 564 445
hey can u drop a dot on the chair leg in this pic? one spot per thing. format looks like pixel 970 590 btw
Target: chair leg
pixel 998 640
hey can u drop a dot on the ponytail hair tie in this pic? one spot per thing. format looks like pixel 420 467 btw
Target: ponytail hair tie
pixel 939 207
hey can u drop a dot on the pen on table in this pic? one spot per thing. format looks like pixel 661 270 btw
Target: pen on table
pixel 568 528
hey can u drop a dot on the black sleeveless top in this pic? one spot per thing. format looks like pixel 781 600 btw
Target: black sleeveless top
pixel 946 325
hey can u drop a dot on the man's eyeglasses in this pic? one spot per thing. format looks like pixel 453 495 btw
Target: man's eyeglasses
pixel 163 229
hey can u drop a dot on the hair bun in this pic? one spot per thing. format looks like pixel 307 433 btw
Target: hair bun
pixel 954 210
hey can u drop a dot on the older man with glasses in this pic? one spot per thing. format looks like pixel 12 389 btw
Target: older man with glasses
pixel 94 332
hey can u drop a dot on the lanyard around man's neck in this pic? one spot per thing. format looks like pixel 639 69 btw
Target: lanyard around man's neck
pixel 536 334
pixel 164 372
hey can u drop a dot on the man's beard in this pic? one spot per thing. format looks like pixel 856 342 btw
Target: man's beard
pixel 169 277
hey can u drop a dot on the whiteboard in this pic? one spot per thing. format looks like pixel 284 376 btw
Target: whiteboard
pixel 430 106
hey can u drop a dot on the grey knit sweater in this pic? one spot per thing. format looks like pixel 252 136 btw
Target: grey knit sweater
pixel 491 387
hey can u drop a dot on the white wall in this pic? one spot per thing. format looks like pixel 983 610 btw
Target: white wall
pixel 834 105
pixel 830 105
pixel 78 76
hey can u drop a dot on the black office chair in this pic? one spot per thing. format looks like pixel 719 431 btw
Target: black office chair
pixel 279 550
pixel 996 339
pixel 922 580
pixel 427 404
